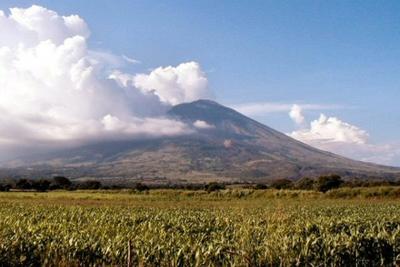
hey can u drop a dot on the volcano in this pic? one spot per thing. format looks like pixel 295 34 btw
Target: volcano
pixel 225 146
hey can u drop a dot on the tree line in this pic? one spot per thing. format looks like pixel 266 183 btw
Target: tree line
pixel 321 184
pixel 43 185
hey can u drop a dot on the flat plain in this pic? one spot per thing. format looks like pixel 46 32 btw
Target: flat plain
pixel 232 227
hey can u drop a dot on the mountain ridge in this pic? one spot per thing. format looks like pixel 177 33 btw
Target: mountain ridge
pixel 232 147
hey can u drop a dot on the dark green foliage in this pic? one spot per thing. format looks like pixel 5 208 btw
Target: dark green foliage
pixel 282 184
pixel 24 184
pixel 89 184
pixel 326 183
pixel 305 184
pixel 214 187
pixel 260 186
pixel 141 187
pixel 62 182
pixel 40 185
pixel 5 187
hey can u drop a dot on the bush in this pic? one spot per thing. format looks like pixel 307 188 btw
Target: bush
pixel 41 185
pixel 260 186
pixel 282 184
pixel 61 182
pixel 5 188
pixel 90 184
pixel 23 184
pixel 326 183
pixel 305 184
pixel 214 187
pixel 141 187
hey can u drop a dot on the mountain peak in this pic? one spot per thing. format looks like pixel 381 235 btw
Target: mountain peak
pixel 205 102
pixel 205 110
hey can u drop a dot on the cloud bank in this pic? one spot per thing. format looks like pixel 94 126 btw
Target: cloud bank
pixel 55 90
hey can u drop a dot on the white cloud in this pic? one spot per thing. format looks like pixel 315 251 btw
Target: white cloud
pixel 331 129
pixel 183 83
pixel 54 90
pixel 334 135
pixel 130 60
pixel 296 114
pixel 29 26
pixel 202 125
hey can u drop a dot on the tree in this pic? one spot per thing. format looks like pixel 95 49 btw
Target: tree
pixel 261 186
pixel 23 184
pixel 305 184
pixel 141 187
pixel 5 187
pixel 282 184
pixel 326 183
pixel 90 184
pixel 62 182
pixel 41 185
pixel 214 187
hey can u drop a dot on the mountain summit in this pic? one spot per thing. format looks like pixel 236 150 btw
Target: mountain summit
pixel 225 146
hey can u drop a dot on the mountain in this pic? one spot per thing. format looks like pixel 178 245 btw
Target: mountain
pixel 227 146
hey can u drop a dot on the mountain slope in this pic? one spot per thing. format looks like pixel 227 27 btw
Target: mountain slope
pixel 226 146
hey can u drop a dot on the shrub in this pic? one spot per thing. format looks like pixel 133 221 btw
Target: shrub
pixel 260 186
pixel 5 187
pixel 41 185
pixel 90 184
pixel 23 184
pixel 282 184
pixel 214 187
pixel 326 183
pixel 305 184
pixel 141 187
pixel 61 182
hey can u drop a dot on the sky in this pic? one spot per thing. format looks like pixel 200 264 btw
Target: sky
pixel 324 72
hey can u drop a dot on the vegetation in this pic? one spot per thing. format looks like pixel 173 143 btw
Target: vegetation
pixel 241 227
pixel 282 184
pixel 211 187
pixel 305 184
pixel 326 183
pixel 322 184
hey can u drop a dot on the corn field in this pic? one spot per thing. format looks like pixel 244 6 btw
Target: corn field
pixel 289 232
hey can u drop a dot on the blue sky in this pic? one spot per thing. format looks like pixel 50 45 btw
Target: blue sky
pixel 339 53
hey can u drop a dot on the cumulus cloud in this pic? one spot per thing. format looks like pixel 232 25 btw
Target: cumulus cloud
pixel 55 90
pixel 203 125
pixel 334 135
pixel 28 27
pixel 174 85
pixel 296 114
pixel 330 129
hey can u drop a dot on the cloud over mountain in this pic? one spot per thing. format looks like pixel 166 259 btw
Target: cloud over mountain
pixel 333 134
pixel 329 129
pixel 55 90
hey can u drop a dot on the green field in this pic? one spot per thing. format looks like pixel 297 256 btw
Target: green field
pixel 234 227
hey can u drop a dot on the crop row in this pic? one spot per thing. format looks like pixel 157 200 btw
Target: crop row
pixel 275 235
